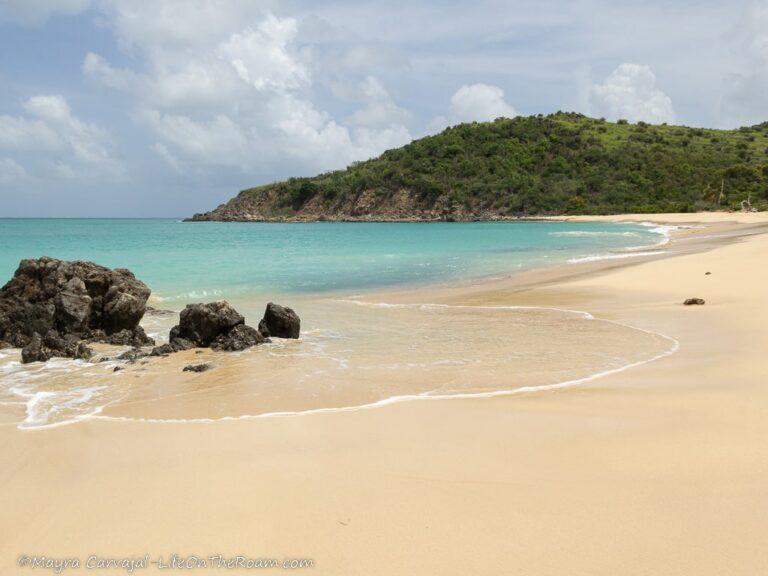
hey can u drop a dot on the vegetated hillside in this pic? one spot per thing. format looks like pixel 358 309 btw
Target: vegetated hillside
pixel 539 165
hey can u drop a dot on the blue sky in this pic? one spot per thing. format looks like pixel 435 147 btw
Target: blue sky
pixel 165 108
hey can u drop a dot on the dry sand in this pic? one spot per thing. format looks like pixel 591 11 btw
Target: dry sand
pixel 660 469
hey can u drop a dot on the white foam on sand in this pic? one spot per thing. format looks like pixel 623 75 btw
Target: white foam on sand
pixel 20 384
pixel 663 230
pixel 42 406
pixel 619 256
pixel 592 234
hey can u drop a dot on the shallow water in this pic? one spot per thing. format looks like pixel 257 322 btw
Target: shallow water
pixel 351 353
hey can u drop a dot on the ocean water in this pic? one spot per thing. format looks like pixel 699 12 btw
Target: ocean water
pixel 204 261
pixel 356 350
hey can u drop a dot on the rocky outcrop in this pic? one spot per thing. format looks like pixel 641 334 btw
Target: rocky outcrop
pixel 201 324
pixel 265 204
pixel 52 307
pixel 280 322
pixel 214 325
pixel 219 326
pixel 239 338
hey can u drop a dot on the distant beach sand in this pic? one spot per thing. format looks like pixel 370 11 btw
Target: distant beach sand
pixel 654 468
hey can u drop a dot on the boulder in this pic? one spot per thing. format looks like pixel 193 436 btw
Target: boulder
pixel 201 324
pixel 280 322
pixel 214 325
pixel 695 302
pixel 239 338
pixel 67 303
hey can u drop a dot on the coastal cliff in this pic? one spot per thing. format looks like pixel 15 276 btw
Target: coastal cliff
pixel 565 163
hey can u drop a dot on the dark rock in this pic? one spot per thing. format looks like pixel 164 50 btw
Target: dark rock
pixel 76 300
pixel 127 337
pixel 36 351
pixel 176 344
pixel 83 351
pixel 42 349
pixel 707 273
pixel 132 355
pixel 280 322
pixel 201 324
pixel 239 338
pixel 216 325
pixel 197 367
pixel 695 302
pixel 117 369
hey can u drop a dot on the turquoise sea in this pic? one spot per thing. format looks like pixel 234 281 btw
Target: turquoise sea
pixel 202 261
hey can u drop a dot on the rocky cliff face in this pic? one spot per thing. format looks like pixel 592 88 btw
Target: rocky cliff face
pixel 265 205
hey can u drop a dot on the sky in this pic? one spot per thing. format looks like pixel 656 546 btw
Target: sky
pixel 122 108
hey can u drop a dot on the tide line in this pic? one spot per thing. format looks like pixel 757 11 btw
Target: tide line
pixel 674 347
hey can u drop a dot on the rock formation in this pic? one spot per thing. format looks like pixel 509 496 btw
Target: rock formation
pixel 280 322
pixel 216 325
pixel 52 307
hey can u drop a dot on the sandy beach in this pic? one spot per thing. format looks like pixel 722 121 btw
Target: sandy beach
pixel 657 469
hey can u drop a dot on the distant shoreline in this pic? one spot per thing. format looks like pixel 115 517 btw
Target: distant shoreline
pixel 543 218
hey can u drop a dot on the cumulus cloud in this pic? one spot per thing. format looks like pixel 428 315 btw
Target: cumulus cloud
pixel 480 102
pixel 262 57
pixel 37 11
pixel 242 97
pixel 630 92
pixel 474 103
pixel 57 142
pixel 745 95
pixel 215 142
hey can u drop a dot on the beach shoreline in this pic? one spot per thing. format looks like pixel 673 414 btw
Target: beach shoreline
pixel 656 468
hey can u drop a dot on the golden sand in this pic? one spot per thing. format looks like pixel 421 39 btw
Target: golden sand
pixel 658 469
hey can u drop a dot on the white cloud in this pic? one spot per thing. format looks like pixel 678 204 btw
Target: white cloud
pixel 474 103
pixel 59 142
pixel 169 27
pixel 37 11
pixel 11 171
pixel 18 133
pixel 262 56
pixel 379 110
pixel 242 96
pixel 630 92
pixel 481 103
pixel 217 142
pixel 745 94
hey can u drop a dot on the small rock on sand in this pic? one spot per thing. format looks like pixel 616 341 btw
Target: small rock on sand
pixel 197 367
pixel 694 302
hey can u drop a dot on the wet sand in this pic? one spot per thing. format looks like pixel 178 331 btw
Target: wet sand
pixel 656 469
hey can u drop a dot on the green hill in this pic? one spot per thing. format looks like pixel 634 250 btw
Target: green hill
pixel 539 165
